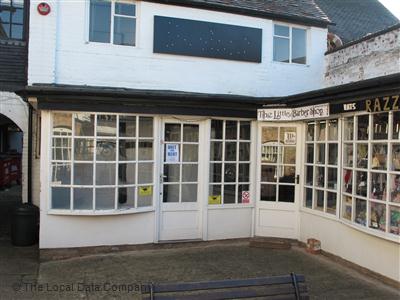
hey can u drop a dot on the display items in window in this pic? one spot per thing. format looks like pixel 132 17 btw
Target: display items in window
pixel 378 216
pixel 394 215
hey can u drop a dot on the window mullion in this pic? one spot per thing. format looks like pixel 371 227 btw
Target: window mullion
pixel 112 22
pixel 72 161
pixel 94 164
pixel 116 164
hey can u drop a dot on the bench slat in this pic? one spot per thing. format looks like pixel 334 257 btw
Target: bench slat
pixel 221 284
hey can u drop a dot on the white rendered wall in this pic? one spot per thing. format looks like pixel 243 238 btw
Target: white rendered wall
pixel 59 53
pixel 229 223
pixel 374 253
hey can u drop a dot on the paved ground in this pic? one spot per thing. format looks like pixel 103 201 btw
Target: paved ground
pixel 95 277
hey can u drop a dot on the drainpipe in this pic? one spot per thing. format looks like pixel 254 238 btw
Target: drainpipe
pixel 30 138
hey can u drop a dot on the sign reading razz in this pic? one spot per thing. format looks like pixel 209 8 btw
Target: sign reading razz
pixel 377 104
pixel 294 114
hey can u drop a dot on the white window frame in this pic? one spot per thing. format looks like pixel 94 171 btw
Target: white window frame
pixel 290 38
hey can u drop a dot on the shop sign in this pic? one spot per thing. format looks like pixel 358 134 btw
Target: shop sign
pixel 294 114
pixel 145 191
pixel 290 138
pixel 245 197
pixel 215 199
pixel 371 105
pixel 172 153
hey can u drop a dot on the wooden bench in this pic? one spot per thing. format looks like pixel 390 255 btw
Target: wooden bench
pixel 276 287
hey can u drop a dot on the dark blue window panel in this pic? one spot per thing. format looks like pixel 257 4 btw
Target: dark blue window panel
pixel 205 39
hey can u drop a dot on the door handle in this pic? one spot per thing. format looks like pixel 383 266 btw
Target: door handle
pixel 297 179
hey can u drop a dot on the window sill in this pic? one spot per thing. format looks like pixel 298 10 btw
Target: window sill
pixel 12 42
pixel 61 212
pixel 108 45
pixel 291 64
pixel 229 206
pixel 319 213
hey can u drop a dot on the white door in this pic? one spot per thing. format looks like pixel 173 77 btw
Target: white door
pixel 180 208
pixel 278 180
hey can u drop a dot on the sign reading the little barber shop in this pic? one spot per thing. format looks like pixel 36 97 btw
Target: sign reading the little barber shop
pixel 294 114
pixel 371 105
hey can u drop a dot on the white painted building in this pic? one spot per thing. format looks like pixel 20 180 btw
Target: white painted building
pixel 158 139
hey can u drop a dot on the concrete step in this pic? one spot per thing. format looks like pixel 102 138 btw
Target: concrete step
pixel 270 243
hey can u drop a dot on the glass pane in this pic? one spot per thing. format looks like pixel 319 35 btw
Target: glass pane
pixel 379 156
pixel 244 172
pixel 145 199
pixel 299 46
pixel 320 176
pixel 361 183
pixel 191 133
pixel 146 127
pixel 171 193
pixel 83 174
pixel 106 125
pixel 145 173
pixel 269 134
pixel 281 49
pixel 171 173
pixel 289 175
pixel 395 188
pixel 269 154
pixel 229 194
pixel 127 126
pixel 172 132
pixel 127 174
pixel 106 150
pixel 244 151
pixel 189 192
pixel 215 172
pixel 378 186
pixel 396 125
pixel 190 153
pixel 333 154
pixel 380 126
pixel 124 31
pixel 331 203
pixel 394 214
pixel 216 151
pixel 348 155
pixel 309 175
pixel 332 178
pixel 310 153
pixel 127 150
pixel 244 193
pixel 216 129
pixel 378 216
pixel 84 124
pixel 268 192
pixel 230 151
pixel 363 127
pixel 83 198
pixel 125 9
pixel 361 212
pixel 189 173
pixel 281 30
pixel 348 129
pixel 84 149
pixel 145 150
pixel 396 157
pixel 4 15
pixel 62 148
pixel 60 198
pixel 310 131
pixel 333 130
pixel 61 173
pixel 62 124
pixel 126 198
pixel 100 21
pixel 308 198
pixel 105 199
pixel 17 31
pixel 321 131
pixel 347 207
pixel 269 173
pixel 319 200
pixel 245 130
pixel 286 193
pixel 215 190
pixel 289 155
pixel 362 156
pixel 230 173
pixel 320 153
pixel 348 181
pixel 231 130
pixel 5 31
pixel 105 174
pixel 18 14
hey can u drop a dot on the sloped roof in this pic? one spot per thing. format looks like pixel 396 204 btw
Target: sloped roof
pixel 356 18
pixel 299 11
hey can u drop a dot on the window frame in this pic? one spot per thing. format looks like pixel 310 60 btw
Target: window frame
pixel 11 23
pixel 95 137
pixel 290 38
pixel 113 15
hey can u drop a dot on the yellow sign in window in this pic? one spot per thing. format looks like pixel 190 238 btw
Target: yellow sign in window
pixel 145 191
pixel 214 199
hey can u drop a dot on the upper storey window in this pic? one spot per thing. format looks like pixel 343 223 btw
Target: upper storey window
pixel 11 19
pixel 112 22
pixel 290 44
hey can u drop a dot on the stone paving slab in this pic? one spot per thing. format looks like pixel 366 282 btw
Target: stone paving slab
pixel 118 276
